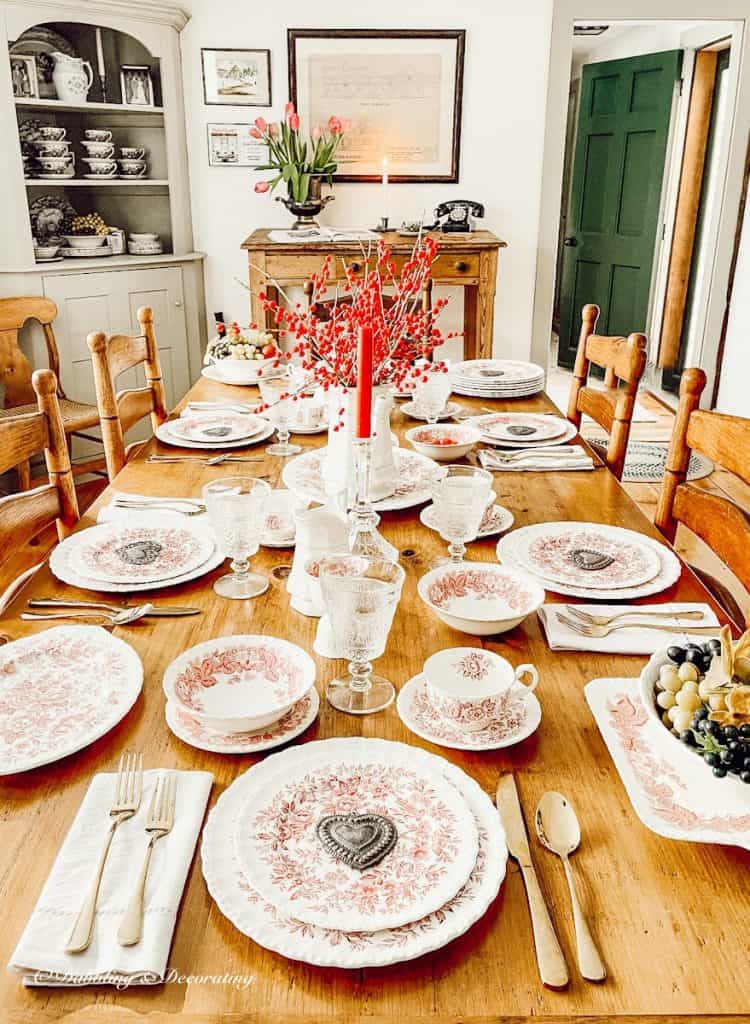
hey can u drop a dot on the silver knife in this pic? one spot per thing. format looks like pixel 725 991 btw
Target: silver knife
pixel 157 610
pixel 552 967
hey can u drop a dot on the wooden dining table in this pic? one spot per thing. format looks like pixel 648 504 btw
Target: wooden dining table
pixel 672 919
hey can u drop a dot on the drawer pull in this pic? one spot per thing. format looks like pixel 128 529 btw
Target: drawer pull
pixel 461 266
pixel 355 267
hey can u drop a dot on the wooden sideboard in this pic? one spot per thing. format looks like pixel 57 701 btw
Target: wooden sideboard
pixel 467 261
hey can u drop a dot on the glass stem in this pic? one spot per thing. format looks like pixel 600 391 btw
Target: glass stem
pixel 240 566
pixel 283 435
pixel 456 550
pixel 360 672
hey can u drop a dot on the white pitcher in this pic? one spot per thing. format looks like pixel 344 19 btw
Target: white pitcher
pixel 338 466
pixel 319 531
pixel 72 78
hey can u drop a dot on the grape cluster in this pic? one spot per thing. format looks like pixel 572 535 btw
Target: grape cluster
pixel 723 748
pixel 89 224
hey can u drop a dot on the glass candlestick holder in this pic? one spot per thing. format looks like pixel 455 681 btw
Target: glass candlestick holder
pixel 364 538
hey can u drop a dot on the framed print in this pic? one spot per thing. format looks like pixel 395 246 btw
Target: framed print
pixel 237 78
pixel 231 145
pixel 23 75
pixel 136 85
pixel 401 89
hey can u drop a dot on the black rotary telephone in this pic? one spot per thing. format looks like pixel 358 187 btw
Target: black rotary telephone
pixel 457 215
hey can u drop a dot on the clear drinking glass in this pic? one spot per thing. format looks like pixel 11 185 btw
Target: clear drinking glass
pixel 236 506
pixel 460 498
pixel 431 396
pixel 276 394
pixel 360 595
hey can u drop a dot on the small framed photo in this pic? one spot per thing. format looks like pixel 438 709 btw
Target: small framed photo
pixel 136 85
pixel 232 145
pixel 238 78
pixel 23 74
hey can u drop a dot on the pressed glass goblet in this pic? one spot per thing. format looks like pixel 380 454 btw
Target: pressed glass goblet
pixel 276 394
pixel 360 595
pixel 236 506
pixel 432 394
pixel 460 499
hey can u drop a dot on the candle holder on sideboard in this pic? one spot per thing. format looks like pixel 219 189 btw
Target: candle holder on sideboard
pixel 382 226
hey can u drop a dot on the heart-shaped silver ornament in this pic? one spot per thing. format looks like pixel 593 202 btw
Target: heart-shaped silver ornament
pixel 521 430
pixel 590 560
pixel 359 840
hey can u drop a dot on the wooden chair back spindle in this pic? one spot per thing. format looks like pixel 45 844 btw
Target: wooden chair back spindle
pixel 119 411
pixel 723 525
pixel 623 361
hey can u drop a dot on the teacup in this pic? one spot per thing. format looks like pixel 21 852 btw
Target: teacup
pixel 55 164
pixel 52 148
pixel 100 166
pixel 132 168
pixel 97 135
pixel 470 686
pixel 46 252
pixel 132 153
pixel 51 133
pixel 101 150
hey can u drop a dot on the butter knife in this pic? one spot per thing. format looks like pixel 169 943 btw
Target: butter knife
pixel 162 611
pixel 552 967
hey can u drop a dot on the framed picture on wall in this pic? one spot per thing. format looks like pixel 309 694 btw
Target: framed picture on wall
pixel 401 89
pixel 237 78
pixel 231 145
pixel 23 75
pixel 136 85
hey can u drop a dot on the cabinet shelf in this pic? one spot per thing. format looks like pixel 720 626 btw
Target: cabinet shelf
pixel 92 183
pixel 89 108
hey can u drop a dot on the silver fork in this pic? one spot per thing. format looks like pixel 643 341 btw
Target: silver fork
pixel 193 508
pixel 599 632
pixel 121 617
pixel 127 799
pixel 159 823
pixel 607 620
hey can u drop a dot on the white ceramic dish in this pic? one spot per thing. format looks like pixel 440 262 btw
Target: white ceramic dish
pixel 241 371
pixel 87 254
pixel 143 236
pixel 443 442
pixel 209 427
pixel 165 434
pixel 412 410
pixel 239 683
pixel 479 597
pixel 568 435
pixel 85 241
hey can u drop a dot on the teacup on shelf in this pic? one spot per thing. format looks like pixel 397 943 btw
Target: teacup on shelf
pixel 469 685
pixel 103 167
pixel 53 148
pixel 97 135
pixel 51 133
pixel 46 252
pixel 99 150
pixel 132 153
pixel 132 168
pixel 56 164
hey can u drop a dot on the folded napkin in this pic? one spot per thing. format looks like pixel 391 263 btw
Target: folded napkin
pixel 633 640
pixel 540 459
pixel 111 512
pixel 39 955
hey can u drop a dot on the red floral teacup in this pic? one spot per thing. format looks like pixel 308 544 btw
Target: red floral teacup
pixel 470 686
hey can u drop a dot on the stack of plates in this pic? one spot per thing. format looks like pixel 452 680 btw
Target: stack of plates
pixel 497 378
pixel 215 430
pixel 277 844
pixel 523 429
pixel 159 550
pixel 591 561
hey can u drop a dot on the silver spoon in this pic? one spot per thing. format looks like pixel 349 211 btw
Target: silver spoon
pixel 123 618
pixel 558 830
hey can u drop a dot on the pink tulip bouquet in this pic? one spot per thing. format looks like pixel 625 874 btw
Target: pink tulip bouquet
pixel 297 160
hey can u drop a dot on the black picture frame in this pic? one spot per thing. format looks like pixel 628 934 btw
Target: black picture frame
pixel 234 102
pixel 458 35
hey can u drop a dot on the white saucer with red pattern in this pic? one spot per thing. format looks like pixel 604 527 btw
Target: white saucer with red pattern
pixel 288 727
pixel 520 717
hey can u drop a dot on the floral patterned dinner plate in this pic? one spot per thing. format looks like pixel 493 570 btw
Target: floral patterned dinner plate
pixel 165 432
pixel 148 553
pixel 496 371
pixel 240 902
pixel 288 727
pixel 520 717
pixel 416 475
pixel 283 858
pixel 521 426
pixel 60 690
pixel 212 427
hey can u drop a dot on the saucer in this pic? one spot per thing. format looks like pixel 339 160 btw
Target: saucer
pixel 417 712
pixel 497 519
pixel 295 721
pixel 411 409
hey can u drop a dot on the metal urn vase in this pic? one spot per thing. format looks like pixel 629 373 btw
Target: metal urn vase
pixel 307 211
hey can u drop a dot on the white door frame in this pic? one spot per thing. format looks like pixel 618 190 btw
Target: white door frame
pixel 565 14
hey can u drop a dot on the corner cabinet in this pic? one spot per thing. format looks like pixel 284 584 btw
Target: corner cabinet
pixel 100 292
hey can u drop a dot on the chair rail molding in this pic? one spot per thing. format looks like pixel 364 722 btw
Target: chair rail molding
pixel 160 12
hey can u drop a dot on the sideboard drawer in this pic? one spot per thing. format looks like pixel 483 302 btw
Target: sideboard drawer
pixel 285 266
pixel 449 265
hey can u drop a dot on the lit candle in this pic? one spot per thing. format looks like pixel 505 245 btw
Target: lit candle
pixel 384 187
pixel 99 54
pixel 364 382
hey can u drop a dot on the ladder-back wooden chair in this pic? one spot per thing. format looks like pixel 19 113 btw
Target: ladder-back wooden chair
pixel 26 514
pixel 16 373
pixel 119 411
pixel 715 518
pixel 623 361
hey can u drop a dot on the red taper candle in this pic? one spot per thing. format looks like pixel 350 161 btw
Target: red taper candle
pixel 364 382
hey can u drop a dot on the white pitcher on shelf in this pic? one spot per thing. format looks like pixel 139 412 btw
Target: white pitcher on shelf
pixel 72 78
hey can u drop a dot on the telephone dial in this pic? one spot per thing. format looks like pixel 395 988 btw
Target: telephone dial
pixel 457 215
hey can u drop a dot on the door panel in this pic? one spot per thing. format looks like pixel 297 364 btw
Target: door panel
pixel 618 169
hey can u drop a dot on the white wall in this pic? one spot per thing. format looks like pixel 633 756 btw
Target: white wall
pixel 627 41
pixel 735 371
pixel 505 79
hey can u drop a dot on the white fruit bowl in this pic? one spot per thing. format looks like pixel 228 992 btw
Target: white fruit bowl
pixel 479 597
pixel 443 442
pixel 242 371
pixel 85 241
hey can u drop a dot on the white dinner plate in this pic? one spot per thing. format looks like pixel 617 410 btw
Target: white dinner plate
pixel 165 434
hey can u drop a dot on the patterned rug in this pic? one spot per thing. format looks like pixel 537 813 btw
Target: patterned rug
pixel 646 460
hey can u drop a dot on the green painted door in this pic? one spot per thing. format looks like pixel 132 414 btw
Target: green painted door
pixel 618 169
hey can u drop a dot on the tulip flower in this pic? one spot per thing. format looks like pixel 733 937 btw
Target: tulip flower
pixel 260 124
pixel 316 132
pixel 256 133
pixel 294 122
pixel 288 110
pixel 262 186
pixel 273 130
pixel 334 126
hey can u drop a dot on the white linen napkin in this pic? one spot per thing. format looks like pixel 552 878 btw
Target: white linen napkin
pixel 633 640
pixel 541 460
pixel 110 512
pixel 40 956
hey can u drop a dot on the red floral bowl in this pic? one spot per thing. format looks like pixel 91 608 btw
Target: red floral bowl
pixel 444 442
pixel 480 598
